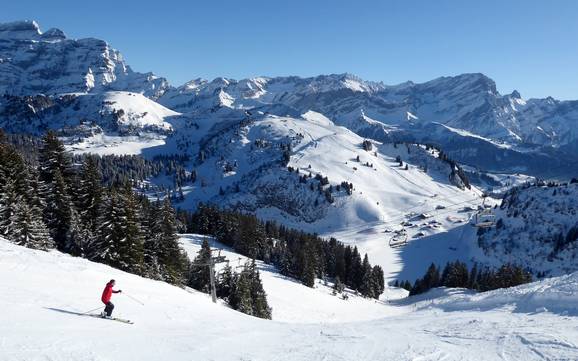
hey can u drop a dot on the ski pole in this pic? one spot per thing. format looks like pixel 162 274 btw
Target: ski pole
pixel 134 299
pixel 96 309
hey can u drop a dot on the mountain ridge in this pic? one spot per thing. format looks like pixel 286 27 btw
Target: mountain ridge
pixel 464 114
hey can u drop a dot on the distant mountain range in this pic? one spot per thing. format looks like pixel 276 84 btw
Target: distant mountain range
pixel 50 81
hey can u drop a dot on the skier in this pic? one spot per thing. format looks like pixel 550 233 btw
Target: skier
pixel 106 295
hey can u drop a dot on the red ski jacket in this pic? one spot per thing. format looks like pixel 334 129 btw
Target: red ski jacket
pixel 107 293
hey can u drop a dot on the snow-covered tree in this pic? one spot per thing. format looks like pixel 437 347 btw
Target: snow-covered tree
pixel 28 229
pixel 57 210
pixel 119 240
pixel 56 178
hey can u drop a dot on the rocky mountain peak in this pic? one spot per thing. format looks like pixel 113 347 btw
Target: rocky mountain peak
pixel 26 29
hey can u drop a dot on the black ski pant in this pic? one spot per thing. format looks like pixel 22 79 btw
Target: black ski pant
pixel 108 309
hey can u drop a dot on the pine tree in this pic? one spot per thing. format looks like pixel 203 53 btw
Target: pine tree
pixel 29 229
pixel 251 236
pixel 240 298
pixel 199 275
pixel 338 287
pixel 53 157
pixel 284 263
pixel 12 189
pixel 90 193
pixel 307 263
pixel 431 278
pixel 367 282
pixel 455 275
pixel 57 210
pixel 79 236
pixel 356 270
pixel 261 308
pixel 225 282
pixel 20 216
pixel 119 240
pixel 248 295
pixel 9 200
pixel 132 246
pixel 172 261
pixel 406 285
pixel 151 241
pixel 473 278
pixel 378 280
pixel 56 178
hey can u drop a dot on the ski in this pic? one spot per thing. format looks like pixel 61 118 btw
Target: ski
pixel 111 319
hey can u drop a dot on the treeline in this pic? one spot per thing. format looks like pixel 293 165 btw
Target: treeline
pixel 136 170
pixel 296 254
pixel 457 275
pixel 54 204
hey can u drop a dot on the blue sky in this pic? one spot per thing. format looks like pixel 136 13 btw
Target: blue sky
pixel 531 46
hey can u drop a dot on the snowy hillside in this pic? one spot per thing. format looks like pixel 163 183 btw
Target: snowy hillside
pixel 300 171
pixel 43 293
pixel 538 228
pixel 80 114
pixel 92 121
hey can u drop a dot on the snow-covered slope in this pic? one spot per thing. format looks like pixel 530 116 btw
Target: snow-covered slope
pixel 537 227
pixel 90 121
pixel 42 294
pixel 294 169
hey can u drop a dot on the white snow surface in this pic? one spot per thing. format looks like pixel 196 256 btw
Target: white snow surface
pixel 43 292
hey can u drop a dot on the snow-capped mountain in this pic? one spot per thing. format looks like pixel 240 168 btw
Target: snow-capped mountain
pixel 465 112
pixel 33 62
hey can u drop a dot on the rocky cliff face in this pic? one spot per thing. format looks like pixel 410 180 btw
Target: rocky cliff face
pixel 33 62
